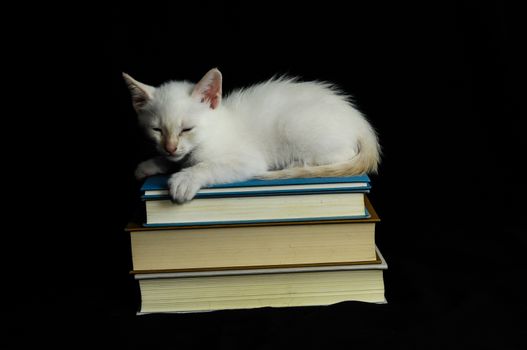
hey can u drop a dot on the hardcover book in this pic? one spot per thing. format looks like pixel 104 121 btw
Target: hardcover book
pixel 155 187
pixel 256 201
pixel 258 245
pixel 280 287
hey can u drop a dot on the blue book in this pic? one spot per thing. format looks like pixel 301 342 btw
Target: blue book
pixel 259 202
pixel 274 209
pixel 155 187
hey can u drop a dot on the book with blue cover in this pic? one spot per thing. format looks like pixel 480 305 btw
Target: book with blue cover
pixel 259 201
pixel 155 187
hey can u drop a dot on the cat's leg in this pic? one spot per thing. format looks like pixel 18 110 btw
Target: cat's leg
pixel 152 166
pixel 184 185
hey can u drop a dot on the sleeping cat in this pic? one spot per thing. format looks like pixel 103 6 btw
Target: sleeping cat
pixel 281 128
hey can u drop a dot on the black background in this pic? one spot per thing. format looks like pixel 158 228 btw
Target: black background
pixel 439 82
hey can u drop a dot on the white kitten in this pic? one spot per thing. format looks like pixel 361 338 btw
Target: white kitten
pixel 278 129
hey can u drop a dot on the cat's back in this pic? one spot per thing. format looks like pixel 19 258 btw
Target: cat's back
pixel 282 93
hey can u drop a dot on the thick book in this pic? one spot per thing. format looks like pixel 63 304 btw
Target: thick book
pixel 250 246
pixel 281 287
pixel 155 187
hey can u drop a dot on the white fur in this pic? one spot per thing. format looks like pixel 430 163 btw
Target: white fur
pixel 279 128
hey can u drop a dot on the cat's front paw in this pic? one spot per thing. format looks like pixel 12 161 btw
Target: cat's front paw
pixel 183 187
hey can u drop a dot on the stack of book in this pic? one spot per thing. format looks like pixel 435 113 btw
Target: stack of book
pixel 258 243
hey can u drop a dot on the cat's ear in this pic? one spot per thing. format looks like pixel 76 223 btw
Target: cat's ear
pixel 208 89
pixel 141 93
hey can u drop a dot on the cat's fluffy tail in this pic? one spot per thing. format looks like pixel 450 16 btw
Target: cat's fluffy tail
pixel 365 161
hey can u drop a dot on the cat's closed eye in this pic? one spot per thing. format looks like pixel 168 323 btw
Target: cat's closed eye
pixel 186 130
pixel 157 130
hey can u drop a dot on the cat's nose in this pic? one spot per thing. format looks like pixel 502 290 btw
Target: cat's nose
pixel 171 148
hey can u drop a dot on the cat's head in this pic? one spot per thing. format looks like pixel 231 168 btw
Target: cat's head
pixel 174 115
